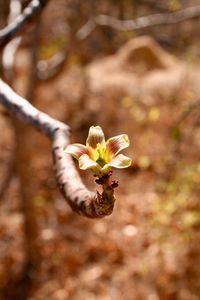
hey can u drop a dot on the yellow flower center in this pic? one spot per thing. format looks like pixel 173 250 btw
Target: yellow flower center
pixel 104 156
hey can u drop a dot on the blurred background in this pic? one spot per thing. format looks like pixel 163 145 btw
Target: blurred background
pixel 81 65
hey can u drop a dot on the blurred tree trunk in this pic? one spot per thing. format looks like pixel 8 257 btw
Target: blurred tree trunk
pixel 26 150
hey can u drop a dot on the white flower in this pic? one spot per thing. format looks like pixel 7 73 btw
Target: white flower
pixel 100 155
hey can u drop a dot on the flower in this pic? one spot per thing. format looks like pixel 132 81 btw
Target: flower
pixel 100 155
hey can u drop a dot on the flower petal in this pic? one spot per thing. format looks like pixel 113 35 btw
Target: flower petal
pixel 117 143
pixel 85 162
pixel 120 161
pixel 95 136
pixel 106 168
pixel 76 150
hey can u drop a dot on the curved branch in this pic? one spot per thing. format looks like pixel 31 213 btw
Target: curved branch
pixel 138 23
pixel 7 33
pixel 9 51
pixel 83 201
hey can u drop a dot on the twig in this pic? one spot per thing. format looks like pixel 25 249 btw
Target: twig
pixel 46 69
pixel 8 57
pixel 9 51
pixel 7 33
pixel 78 196
pixel 138 23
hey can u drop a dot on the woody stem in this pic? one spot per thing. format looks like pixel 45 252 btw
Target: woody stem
pixel 108 191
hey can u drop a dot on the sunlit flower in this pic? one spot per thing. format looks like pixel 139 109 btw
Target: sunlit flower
pixel 100 155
